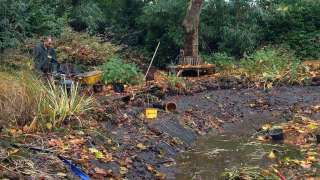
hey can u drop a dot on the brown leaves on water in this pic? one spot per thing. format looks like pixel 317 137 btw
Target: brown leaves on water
pixel 299 133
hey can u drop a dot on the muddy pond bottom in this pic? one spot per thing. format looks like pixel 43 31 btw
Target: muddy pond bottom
pixel 212 156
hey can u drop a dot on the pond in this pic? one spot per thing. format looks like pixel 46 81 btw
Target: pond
pixel 212 156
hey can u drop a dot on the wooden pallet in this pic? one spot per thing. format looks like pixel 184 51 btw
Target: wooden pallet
pixel 210 68
pixel 312 64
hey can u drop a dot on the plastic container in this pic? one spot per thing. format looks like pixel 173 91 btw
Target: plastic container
pixel 151 113
pixel 118 87
pixel 318 138
pixel 276 134
pixel 169 106
pixel 97 88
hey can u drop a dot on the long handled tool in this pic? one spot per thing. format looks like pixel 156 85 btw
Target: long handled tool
pixel 154 55
pixel 76 170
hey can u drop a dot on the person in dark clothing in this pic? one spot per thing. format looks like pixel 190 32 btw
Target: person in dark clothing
pixel 45 58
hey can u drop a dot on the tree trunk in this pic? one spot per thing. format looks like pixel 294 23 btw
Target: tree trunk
pixel 191 26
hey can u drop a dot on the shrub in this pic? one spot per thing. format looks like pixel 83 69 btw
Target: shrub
pixel 114 70
pixel 221 60
pixel 296 23
pixel 75 47
pixel 176 83
pixel 273 64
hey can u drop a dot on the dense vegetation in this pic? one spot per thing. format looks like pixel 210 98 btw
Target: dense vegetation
pixel 236 27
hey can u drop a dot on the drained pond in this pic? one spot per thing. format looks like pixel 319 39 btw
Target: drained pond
pixel 215 156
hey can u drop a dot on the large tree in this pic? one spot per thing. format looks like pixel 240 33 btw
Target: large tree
pixel 191 27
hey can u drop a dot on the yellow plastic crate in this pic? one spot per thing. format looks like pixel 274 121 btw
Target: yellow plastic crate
pixel 151 113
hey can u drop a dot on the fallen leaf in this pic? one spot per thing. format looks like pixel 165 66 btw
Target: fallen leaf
pixel 150 168
pixel 312 126
pixel 269 85
pixel 262 138
pixel 312 158
pixel 100 171
pixel 305 164
pixel 14 151
pixel 160 175
pixel 77 141
pixel 60 174
pixel 141 146
pixel 266 126
pixel 272 155
pixel 49 126
pixel 98 154
pixel 55 142
pixel 123 170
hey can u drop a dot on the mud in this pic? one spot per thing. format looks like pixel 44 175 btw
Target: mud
pixel 230 111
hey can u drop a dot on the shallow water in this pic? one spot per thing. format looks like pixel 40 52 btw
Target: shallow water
pixel 211 156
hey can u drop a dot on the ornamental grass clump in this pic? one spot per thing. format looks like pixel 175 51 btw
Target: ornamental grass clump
pixel 59 104
pixel 18 98
pixel 27 101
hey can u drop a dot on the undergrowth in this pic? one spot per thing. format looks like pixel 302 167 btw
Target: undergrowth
pixel 115 70
pixel 222 61
pixel 271 65
pixel 176 83
pixel 75 47
pixel 27 101
pixel 58 104
pixel 18 98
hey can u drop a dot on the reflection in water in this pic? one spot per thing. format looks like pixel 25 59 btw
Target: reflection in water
pixel 211 156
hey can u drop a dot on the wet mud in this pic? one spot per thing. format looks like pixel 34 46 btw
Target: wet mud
pixel 152 146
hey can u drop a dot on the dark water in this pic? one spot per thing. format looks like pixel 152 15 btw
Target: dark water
pixel 212 156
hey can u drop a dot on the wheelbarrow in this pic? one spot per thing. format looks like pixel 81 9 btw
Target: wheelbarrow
pixel 92 78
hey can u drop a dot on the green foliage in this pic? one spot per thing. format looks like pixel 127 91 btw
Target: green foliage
pixel 296 23
pixel 81 48
pixel 25 99
pixel 56 104
pixel 115 70
pixel 237 27
pixel 25 18
pixel 88 14
pixel 12 23
pixel 162 21
pixel 42 18
pixel 273 64
pixel 222 60
pixel 176 83
pixel 231 26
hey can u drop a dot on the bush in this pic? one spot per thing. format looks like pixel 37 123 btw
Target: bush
pixel 222 60
pixel 273 64
pixel 114 70
pixel 176 83
pixel 27 18
pixel 296 23
pixel 75 47
pixel 86 15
